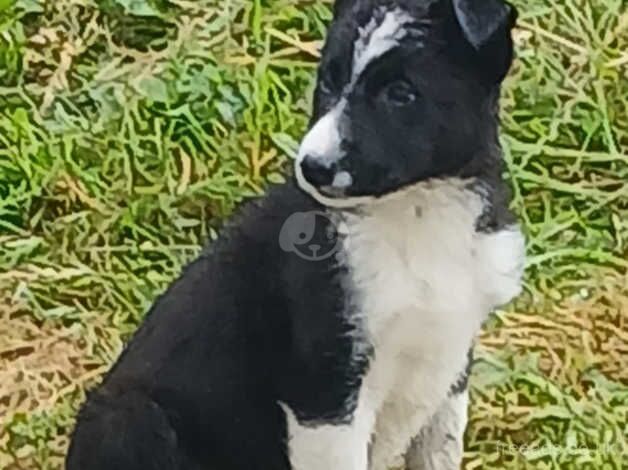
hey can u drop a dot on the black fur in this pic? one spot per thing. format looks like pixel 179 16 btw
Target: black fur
pixel 250 323
pixel 246 325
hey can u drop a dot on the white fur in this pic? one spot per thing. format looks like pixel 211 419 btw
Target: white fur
pixel 342 447
pixel 323 141
pixel 499 267
pixel 375 40
pixel 343 179
pixel 413 260
pixel 424 281
pixel 440 444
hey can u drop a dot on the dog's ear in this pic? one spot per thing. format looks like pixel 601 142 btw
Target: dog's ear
pixel 487 25
pixel 481 19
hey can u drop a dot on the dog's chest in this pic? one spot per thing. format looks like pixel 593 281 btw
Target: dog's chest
pixel 423 279
pixel 412 261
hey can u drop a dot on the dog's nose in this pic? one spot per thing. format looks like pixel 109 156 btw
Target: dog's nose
pixel 317 173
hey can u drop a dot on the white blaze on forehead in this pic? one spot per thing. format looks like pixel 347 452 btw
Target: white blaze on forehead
pixel 377 38
pixel 323 141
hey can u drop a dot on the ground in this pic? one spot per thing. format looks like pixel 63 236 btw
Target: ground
pixel 129 129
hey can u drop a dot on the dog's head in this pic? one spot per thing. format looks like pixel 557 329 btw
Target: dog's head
pixel 406 92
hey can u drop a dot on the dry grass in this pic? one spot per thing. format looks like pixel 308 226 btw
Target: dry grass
pixel 130 130
pixel 549 388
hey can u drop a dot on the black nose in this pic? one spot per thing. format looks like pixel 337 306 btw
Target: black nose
pixel 317 173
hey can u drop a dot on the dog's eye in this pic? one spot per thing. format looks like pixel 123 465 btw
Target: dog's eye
pixel 400 93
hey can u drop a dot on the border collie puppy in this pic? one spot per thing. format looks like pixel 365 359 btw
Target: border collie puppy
pixel 330 327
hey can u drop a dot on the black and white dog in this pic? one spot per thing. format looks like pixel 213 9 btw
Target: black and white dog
pixel 329 328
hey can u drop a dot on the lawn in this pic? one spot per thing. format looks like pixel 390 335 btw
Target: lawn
pixel 129 130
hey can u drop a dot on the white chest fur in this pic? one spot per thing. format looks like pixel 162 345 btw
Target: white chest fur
pixel 424 281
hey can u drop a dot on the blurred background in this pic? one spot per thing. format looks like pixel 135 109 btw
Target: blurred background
pixel 130 129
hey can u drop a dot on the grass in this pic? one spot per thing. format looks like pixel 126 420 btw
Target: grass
pixel 129 129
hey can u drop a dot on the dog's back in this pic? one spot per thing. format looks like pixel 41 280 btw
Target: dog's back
pixel 199 384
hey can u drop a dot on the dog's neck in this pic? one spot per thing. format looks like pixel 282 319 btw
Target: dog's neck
pixel 415 200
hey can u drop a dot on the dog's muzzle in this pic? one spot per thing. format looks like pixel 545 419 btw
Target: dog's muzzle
pixel 317 173
pixel 327 177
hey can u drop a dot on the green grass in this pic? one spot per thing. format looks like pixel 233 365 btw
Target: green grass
pixel 129 130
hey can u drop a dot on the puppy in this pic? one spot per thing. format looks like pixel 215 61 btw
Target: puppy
pixel 330 326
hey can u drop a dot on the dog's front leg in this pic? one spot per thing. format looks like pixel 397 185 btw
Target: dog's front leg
pixel 330 446
pixel 439 445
